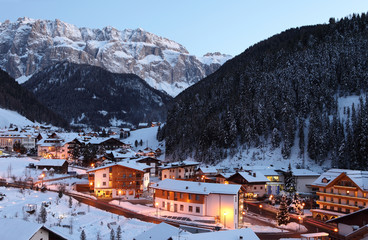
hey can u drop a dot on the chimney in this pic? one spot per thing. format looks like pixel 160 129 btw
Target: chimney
pixel 204 189
pixel 186 187
pixel 240 237
pixel 254 174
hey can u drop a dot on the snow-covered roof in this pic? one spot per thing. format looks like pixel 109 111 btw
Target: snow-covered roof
pixel 267 171
pixel 197 187
pixel 10 229
pixel 360 178
pixel 127 163
pixel 208 169
pixel 304 173
pixel 180 164
pixel 160 231
pixel 225 175
pixel 253 177
pixel 50 162
pixel 245 233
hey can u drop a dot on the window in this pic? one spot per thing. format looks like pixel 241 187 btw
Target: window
pixel 255 188
pixel 197 197
pixel 104 175
pixel 124 175
pixel 181 207
pixel 347 210
pixel 190 209
pixel 103 183
pixel 163 204
pixel 347 201
pixel 198 210
pixel 110 169
pixel 261 188
pixel 175 194
pixel 189 196
pixel 163 192
pixel 181 195
pixel 165 176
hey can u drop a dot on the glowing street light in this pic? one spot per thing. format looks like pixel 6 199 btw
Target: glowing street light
pixel 156 208
pixel 225 213
pixel 260 209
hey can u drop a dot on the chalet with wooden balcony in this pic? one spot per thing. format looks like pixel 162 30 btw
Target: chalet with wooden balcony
pixel 340 191
pixel 179 170
pixel 125 179
pixel 223 202
pixel 254 183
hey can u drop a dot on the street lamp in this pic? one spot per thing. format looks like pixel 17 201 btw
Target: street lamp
pixel 156 208
pixel 260 209
pixel 225 213
pixel 300 221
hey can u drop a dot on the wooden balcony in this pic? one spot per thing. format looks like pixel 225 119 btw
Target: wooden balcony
pixel 354 208
pixel 346 187
pixel 335 195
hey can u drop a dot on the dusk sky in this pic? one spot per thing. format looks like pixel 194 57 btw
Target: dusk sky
pixel 201 26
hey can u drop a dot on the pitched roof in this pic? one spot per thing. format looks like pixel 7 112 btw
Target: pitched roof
pixel 197 187
pixel 304 173
pixel 253 177
pixel 50 162
pixel 360 178
pixel 159 232
pixel 129 164
pixel 245 233
pixel 179 164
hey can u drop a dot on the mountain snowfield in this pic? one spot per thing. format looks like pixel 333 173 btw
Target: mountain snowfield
pixel 8 117
pixel 29 45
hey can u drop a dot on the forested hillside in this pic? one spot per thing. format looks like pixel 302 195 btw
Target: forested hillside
pixel 92 96
pixel 14 97
pixel 280 90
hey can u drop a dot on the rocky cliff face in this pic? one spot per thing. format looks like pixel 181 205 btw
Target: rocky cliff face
pixel 28 46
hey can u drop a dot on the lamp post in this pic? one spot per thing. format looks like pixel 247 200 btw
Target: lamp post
pixel 156 208
pixel 225 213
pixel 300 221
pixel 260 209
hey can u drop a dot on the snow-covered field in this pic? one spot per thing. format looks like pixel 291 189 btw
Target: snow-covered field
pixel 148 137
pixel 81 217
pixel 7 117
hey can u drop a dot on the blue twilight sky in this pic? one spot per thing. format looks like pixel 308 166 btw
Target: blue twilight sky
pixel 227 26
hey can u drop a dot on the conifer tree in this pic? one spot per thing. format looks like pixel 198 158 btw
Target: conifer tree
pixel 118 233
pixel 282 216
pixel 83 235
pixel 112 234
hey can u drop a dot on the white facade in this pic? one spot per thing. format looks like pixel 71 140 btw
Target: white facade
pixel 41 234
pixel 7 140
pixel 220 201
pixel 303 183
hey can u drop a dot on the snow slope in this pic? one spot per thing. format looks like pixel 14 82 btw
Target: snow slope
pixel 8 116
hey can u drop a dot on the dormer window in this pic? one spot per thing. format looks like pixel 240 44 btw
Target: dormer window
pixel 325 180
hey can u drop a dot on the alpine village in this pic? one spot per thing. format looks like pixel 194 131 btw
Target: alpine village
pixel 123 134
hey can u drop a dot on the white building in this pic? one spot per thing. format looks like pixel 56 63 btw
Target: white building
pixel 223 202
pixel 304 179
pixel 8 138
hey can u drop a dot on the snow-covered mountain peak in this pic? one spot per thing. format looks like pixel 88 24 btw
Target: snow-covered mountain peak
pixel 28 46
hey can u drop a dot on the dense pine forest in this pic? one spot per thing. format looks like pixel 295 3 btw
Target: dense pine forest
pixel 279 90
pixel 16 98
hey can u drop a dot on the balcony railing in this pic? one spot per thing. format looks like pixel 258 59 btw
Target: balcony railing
pixel 338 205
pixel 337 195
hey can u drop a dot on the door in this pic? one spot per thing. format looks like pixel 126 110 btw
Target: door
pixel 175 207
pixel 168 206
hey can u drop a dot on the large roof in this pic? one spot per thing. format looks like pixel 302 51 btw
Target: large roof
pixel 179 164
pixel 304 173
pixel 197 187
pixel 236 234
pixel 360 178
pixel 129 164
pixel 160 231
pixel 50 162
pixel 253 177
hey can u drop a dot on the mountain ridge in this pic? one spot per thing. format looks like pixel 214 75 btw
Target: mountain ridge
pixel 29 45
